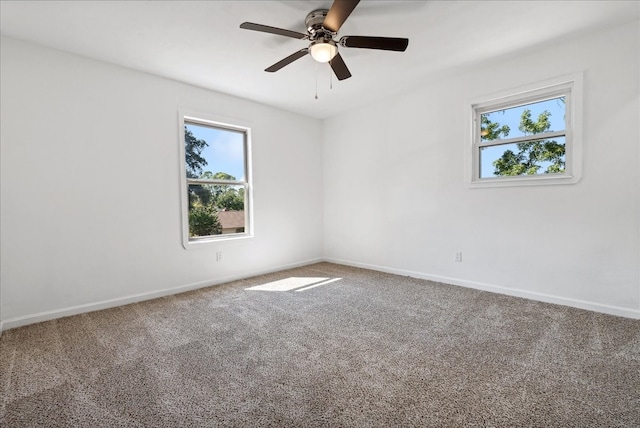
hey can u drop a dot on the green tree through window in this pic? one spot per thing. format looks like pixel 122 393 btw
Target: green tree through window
pixel 203 219
pixel 209 193
pixel 524 154
pixel 527 136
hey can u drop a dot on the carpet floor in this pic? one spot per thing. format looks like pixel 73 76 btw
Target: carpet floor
pixel 325 346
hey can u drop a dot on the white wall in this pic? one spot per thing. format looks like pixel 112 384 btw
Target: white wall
pixel 90 201
pixel 395 196
pixel 90 205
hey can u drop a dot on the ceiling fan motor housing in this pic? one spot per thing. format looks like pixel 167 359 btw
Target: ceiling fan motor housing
pixel 314 21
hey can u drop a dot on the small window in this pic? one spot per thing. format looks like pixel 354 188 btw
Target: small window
pixel 527 138
pixel 215 181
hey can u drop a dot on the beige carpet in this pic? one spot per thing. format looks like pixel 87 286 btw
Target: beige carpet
pixel 325 345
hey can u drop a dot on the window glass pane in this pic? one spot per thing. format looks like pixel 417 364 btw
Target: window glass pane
pixel 528 119
pixel 216 209
pixel 214 152
pixel 527 158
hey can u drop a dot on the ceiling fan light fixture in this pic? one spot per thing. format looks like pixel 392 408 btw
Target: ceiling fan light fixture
pixel 323 51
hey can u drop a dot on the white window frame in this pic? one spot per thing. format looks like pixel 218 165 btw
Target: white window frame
pixel 568 86
pixel 201 119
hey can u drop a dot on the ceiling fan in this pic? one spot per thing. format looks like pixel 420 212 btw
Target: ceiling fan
pixel 322 26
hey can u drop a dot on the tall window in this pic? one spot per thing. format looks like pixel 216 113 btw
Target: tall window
pixel 527 138
pixel 216 181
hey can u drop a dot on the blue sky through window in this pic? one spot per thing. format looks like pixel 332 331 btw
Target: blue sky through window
pixel 511 117
pixel 225 150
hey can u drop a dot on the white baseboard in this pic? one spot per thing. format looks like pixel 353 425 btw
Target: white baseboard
pixel 541 297
pixel 134 298
pixel 105 304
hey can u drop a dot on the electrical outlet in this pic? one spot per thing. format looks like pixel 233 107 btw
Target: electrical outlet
pixel 219 256
pixel 458 256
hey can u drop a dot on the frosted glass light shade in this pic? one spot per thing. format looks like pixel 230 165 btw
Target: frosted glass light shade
pixel 323 52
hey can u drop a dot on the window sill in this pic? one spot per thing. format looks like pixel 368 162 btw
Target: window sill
pixel 522 181
pixel 204 242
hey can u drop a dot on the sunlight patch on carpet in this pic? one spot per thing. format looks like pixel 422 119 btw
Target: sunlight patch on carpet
pixel 293 283
pixel 329 281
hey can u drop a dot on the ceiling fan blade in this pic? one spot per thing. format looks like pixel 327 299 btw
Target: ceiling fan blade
pixel 339 67
pixel 383 43
pixel 339 12
pixel 288 60
pixel 272 30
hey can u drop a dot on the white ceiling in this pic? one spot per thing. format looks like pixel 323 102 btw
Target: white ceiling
pixel 200 42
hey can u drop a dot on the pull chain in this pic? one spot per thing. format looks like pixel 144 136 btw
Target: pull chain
pixel 316 80
pixel 330 79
